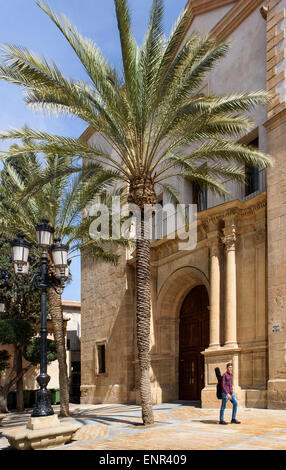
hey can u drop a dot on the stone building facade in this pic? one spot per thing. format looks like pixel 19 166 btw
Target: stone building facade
pixel 224 300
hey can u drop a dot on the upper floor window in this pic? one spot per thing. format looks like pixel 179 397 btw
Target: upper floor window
pixel 101 363
pixel 200 197
pixel 252 173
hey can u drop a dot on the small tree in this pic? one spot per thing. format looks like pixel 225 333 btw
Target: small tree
pixel 4 364
pixel 20 334
pixel 22 302
pixel 32 351
pixel 17 333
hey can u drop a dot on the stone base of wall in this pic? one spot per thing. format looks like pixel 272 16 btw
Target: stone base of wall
pixel 256 398
pixel 275 398
pixel 159 395
pixel 95 394
pixel 251 398
pixel 276 395
pixel 209 399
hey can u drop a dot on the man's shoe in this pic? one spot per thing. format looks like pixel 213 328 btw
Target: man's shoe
pixel 234 421
pixel 222 422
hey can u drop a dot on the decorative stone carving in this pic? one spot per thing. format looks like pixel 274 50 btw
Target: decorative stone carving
pixel 229 238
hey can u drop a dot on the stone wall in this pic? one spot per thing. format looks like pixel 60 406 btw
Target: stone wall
pixel 276 203
pixel 107 319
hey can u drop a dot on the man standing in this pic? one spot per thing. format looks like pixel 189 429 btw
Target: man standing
pixel 227 394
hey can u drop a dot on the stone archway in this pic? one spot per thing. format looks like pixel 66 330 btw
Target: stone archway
pixel 170 300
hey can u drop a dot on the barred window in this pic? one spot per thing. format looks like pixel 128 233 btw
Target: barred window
pixel 101 358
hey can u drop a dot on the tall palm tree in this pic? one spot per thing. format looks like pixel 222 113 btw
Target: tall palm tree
pixel 155 122
pixel 61 201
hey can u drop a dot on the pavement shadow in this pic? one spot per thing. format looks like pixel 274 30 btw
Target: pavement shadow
pixel 106 409
pixel 209 421
pixel 103 420
pixel 108 420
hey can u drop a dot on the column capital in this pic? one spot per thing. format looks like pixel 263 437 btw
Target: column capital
pixel 229 237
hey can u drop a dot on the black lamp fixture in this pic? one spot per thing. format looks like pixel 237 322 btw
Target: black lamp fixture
pixel 44 234
pixel 20 254
pixel 60 259
pixel 59 252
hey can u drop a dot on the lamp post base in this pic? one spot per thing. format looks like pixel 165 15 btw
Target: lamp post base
pixel 43 422
pixel 43 401
pixel 43 404
pixel 41 433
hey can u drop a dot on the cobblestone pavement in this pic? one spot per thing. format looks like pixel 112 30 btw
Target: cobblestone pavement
pixel 178 426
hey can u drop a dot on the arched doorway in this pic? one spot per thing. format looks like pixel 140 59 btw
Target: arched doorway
pixel 194 338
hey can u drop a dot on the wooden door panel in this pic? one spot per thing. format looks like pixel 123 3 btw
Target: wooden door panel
pixel 190 334
pixel 189 377
pixel 194 338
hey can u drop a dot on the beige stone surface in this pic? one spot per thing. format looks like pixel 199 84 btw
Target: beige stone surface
pixel 174 274
pixel 24 438
pixel 177 426
pixel 197 429
pixel 276 203
pixel 91 431
pixel 43 422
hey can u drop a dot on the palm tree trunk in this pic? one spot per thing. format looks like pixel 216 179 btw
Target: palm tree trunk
pixel 59 336
pixel 143 304
pixel 19 383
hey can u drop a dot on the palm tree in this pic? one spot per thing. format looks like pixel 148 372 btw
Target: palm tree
pixel 154 119
pixel 60 201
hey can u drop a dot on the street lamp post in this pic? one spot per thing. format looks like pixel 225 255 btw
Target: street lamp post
pixel 20 253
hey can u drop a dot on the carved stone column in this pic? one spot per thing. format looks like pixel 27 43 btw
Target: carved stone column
pixel 229 240
pixel 214 292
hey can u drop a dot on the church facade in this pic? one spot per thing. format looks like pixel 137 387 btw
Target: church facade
pixel 225 300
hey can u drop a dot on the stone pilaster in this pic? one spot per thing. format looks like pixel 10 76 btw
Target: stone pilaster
pixel 276 203
pixel 214 242
pixel 276 57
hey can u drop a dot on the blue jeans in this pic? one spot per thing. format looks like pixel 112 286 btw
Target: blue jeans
pixel 223 405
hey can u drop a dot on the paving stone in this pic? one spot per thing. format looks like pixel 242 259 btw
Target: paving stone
pixel 177 427
pixel 91 432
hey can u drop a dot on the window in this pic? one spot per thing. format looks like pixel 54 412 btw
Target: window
pixel 101 358
pixel 160 201
pixel 252 173
pixel 200 197
pixel 75 366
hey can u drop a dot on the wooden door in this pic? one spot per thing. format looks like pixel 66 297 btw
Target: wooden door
pixel 194 338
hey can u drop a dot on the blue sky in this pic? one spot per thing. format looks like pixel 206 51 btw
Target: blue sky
pixel 23 23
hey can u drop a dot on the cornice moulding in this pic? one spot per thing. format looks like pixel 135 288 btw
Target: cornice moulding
pixel 86 135
pixel 234 18
pixel 199 7
pixel 276 120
